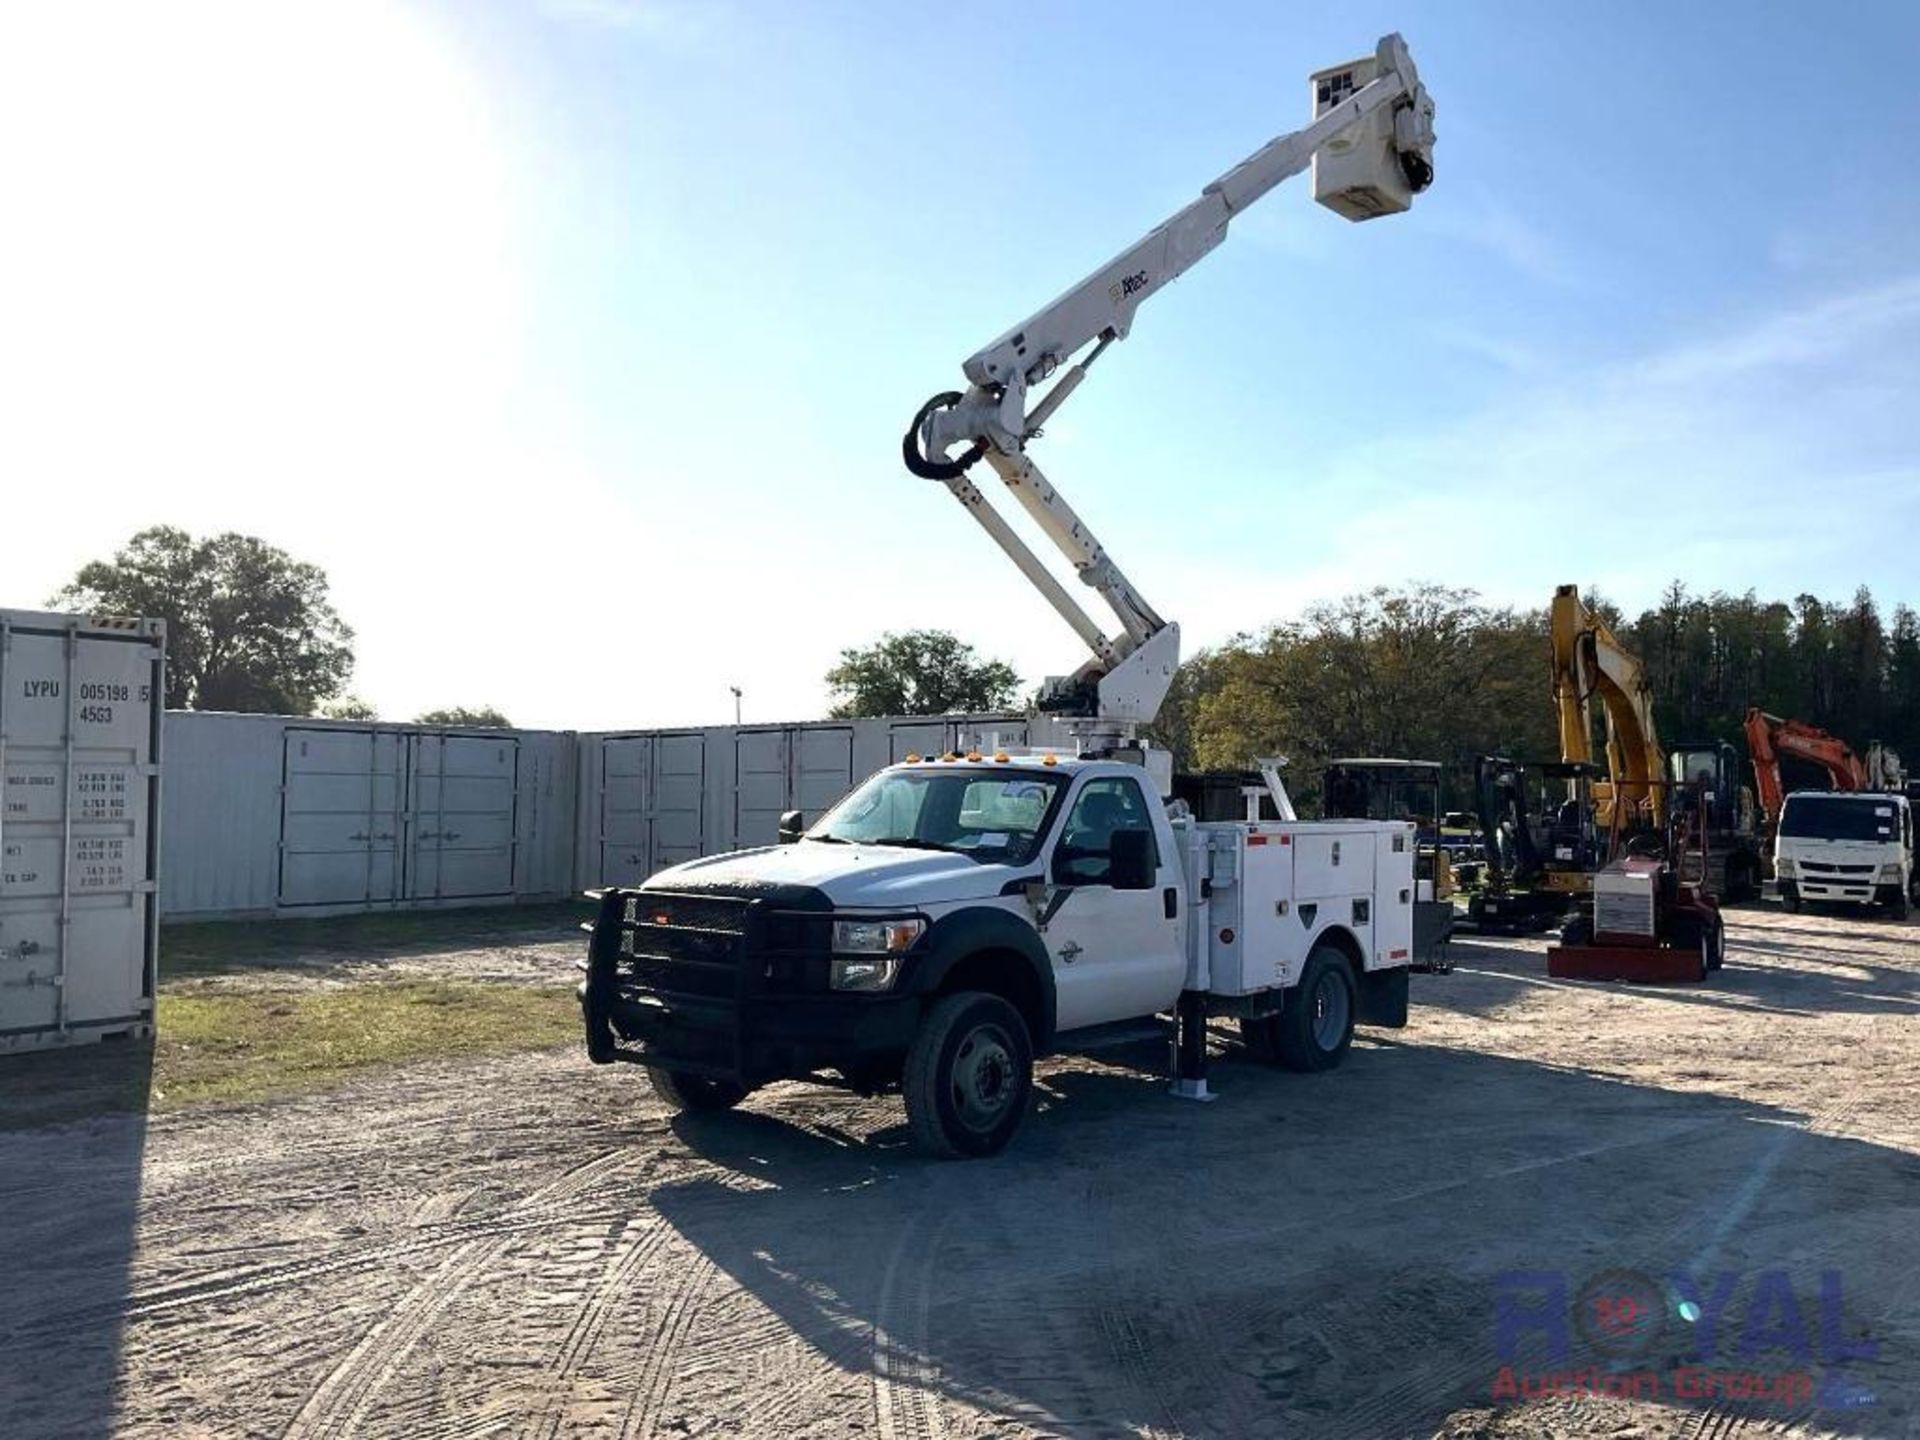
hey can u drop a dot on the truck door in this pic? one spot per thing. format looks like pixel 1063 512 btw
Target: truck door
pixel 1117 954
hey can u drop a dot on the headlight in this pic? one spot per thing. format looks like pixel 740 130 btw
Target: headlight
pixel 1783 868
pixel 875 937
pixel 874 974
pixel 1890 874
pixel 866 953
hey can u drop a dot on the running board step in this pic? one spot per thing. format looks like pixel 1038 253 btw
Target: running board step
pixel 1110 1037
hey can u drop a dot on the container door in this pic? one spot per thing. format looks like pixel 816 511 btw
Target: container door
pixel 760 791
pixel 340 817
pixel 75 887
pixel 463 797
pixel 679 798
pixel 823 770
pixel 626 775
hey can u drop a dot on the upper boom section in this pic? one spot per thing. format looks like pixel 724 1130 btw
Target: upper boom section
pixel 1102 305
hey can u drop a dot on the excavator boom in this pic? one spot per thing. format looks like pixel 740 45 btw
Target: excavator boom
pixel 1589 660
pixel 1769 737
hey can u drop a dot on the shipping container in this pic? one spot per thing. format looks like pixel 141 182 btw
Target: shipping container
pixel 80 736
pixel 272 815
pixel 652 798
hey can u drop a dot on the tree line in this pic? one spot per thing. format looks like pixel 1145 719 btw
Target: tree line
pixel 1433 672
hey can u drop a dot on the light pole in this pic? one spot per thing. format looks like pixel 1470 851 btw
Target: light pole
pixel 736 703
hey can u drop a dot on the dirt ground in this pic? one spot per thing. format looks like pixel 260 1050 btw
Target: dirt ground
pixel 530 1246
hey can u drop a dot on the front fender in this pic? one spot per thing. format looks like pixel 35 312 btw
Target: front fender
pixel 959 934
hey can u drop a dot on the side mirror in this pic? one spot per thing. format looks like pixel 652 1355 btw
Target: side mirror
pixel 1132 867
pixel 792 825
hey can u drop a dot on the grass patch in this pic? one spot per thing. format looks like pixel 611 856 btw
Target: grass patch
pixel 223 946
pixel 241 1046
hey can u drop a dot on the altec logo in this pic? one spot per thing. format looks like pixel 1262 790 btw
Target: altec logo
pixel 1733 1336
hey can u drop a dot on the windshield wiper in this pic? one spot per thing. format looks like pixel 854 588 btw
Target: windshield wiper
pixel 908 842
pixel 826 839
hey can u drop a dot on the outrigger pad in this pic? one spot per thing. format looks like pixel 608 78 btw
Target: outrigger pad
pixel 1655 964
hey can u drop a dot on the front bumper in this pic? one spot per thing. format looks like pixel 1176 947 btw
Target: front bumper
pixel 720 1016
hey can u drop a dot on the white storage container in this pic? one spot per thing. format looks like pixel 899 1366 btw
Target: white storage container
pixel 275 815
pixel 80 717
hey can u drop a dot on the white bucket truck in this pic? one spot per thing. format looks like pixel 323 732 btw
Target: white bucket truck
pixel 956 916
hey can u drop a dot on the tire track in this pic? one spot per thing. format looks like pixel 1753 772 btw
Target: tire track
pixel 340 1402
pixel 906 1396
pixel 637 1244
pixel 342 1398
pixel 1140 1368
pixel 658 1369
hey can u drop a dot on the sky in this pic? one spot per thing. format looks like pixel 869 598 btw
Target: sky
pixel 574 339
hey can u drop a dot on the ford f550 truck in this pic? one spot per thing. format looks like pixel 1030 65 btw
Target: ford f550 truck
pixel 951 919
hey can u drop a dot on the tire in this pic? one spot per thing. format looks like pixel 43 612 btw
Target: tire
pixel 1790 897
pixel 1716 937
pixel 1315 1028
pixel 694 1094
pixel 968 1076
pixel 1577 931
pixel 1898 907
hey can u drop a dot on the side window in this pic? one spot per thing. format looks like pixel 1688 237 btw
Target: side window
pixel 1084 855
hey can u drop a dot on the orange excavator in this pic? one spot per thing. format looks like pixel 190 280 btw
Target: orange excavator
pixel 1769 737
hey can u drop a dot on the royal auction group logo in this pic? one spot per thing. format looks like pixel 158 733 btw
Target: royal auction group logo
pixel 1628 1333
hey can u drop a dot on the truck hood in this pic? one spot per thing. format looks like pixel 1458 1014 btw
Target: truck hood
pixel 848 875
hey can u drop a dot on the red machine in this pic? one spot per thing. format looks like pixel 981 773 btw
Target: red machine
pixel 1769 737
pixel 1649 914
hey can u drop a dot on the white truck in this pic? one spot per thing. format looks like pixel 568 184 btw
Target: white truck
pixel 1846 848
pixel 954 917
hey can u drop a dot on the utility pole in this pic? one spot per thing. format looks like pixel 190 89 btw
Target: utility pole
pixel 736 703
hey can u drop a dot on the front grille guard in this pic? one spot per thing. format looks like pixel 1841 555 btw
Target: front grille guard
pixel 609 943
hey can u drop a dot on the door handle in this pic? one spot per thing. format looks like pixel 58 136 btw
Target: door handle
pixel 1171 898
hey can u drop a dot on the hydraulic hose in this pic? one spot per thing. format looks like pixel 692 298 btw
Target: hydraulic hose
pixel 931 467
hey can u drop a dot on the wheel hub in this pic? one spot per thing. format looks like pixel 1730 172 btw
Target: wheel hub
pixel 983 1073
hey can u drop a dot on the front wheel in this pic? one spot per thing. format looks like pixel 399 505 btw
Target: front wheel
pixel 1715 939
pixel 1315 1027
pixel 1898 907
pixel 695 1093
pixel 968 1076
pixel 1790 897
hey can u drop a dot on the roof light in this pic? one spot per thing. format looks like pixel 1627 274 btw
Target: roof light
pixel 999 757
pixel 912 759
pixel 1049 759
pixel 973 756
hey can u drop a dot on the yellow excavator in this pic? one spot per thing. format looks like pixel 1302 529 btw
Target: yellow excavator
pixel 1589 660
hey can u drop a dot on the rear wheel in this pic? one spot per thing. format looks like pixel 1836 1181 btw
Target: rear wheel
pixel 1714 937
pixel 968 1076
pixel 694 1093
pixel 1314 1030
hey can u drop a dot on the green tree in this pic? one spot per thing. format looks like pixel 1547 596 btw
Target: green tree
pixel 921 672
pixel 479 717
pixel 349 707
pixel 248 627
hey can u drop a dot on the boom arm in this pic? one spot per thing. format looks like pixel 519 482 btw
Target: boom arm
pixel 1769 737
pixel 1587 660
pixel 1129 673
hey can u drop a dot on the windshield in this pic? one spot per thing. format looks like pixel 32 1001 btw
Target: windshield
pixel 1817 818
pixel 998 817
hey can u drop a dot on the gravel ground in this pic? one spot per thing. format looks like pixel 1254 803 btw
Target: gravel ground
pixel 529 1246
